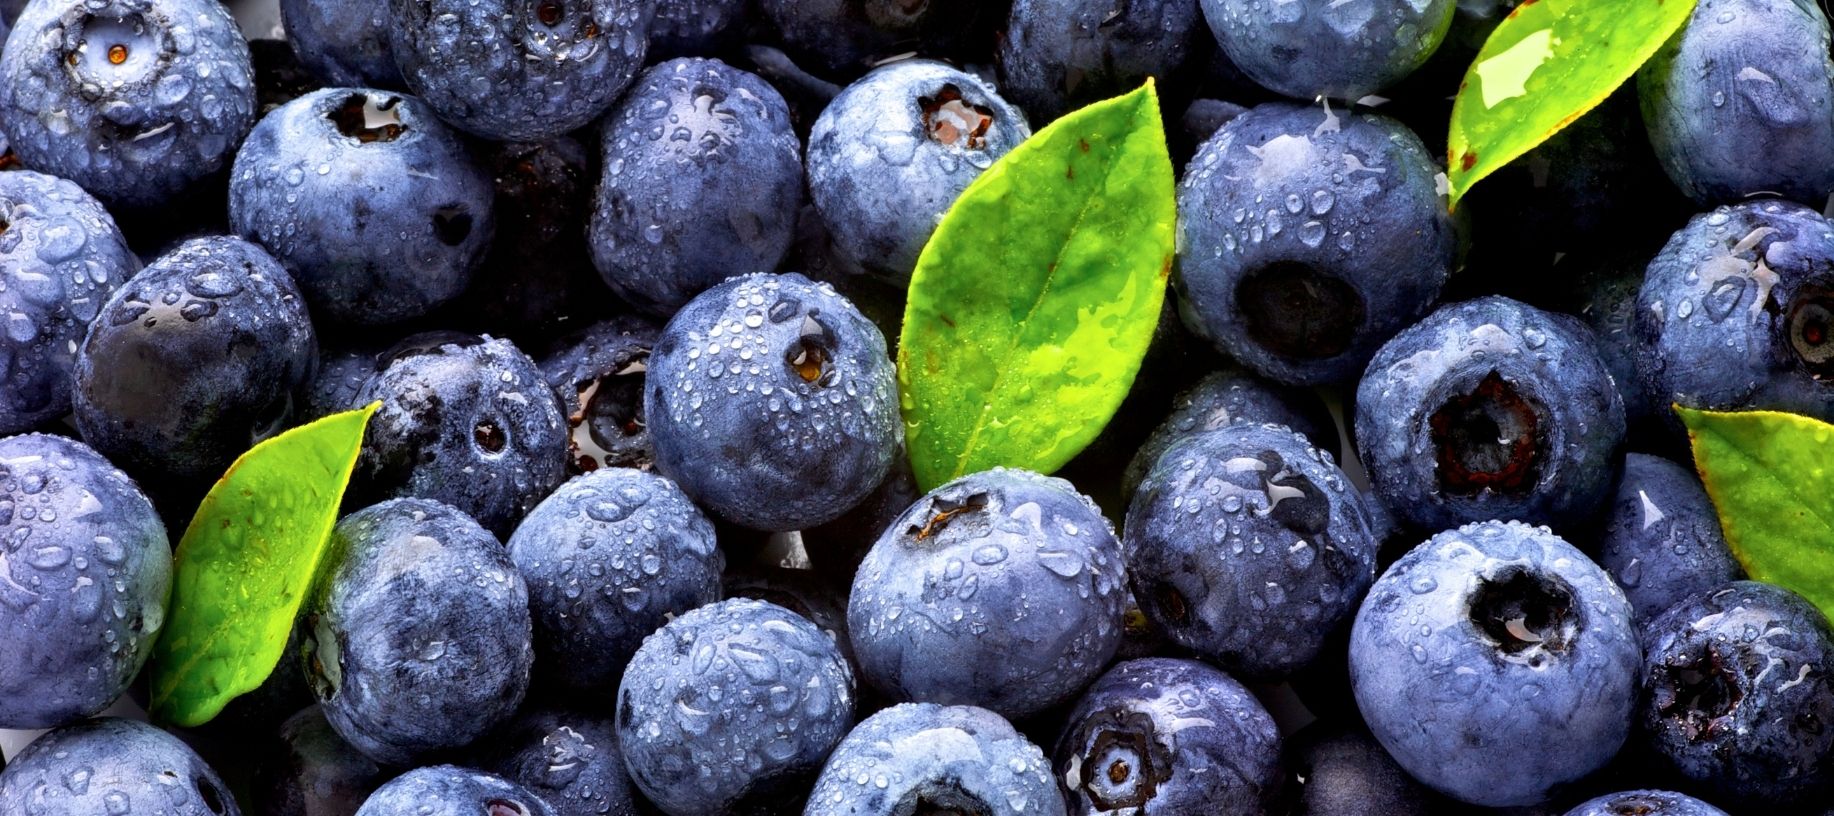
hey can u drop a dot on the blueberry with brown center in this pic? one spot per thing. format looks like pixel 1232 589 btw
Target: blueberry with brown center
pixel 1490 409
pixel 454 790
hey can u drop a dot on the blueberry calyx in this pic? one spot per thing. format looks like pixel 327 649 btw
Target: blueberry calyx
pixel 1299 312
pixel 1701 693
pixel 944 510
pixel 943 799
pixel 1811 331
pixel 1119 771
pixel 953 122
pixel 368 119
pixel 1526 615
pixel 490 437
pixel 1488 439
pixel 505 807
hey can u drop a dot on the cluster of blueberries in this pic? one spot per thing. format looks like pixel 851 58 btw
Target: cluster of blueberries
pixel 633 530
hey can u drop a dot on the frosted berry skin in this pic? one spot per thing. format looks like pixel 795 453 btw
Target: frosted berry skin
pixel 344 43
pixel 107 767
pixel 1313 48
pixel 935 759
pixel 451 789
pixel 135 100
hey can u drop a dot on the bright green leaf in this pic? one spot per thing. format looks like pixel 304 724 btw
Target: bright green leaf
pixel 1771 475
pixel 1545 66
pixel 246 563
pixel 1034 302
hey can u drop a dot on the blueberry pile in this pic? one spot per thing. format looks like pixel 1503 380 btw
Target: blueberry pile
pixel 1395 520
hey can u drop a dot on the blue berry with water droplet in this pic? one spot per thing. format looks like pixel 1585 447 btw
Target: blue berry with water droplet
pixel 1661 538
pixel 1341 50
pixel 344 44
pixel 928 758
pixel 1645 803
pixel 111 767
pixel 1058 55
pixel 451 789
pixel 568 758
pixel 1233 396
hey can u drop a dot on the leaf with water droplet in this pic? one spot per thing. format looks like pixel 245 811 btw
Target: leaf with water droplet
pixel 245 564
pixel 1033 303
pixel 1543 67
pixel 1768 475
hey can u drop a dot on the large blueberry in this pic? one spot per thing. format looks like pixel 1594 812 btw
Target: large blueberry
pixel 1002 589
pixel 1342 50
pixel 1063 54
pixel 731 708
pixel 1662 540
pixel 312 771
pixel 702 181
pixel 111 767
pixel 1490 409
pixel 135 100
pixel 1348 773
pixel 598 375
pixel 1741 101
pixel 1496 663
pixel 448 789
pixel 609 558
pixel 935 759
pixel 1645 803
pixel 1309 238
pixel 371 203
pixel 568 759
pixel 84 571
pixel 1249 546
pixel 194 360
pixel 519 70
pixel 344 43
pixel 465 420
pixel 1737 695
pixel 891 154
pixel 1165 737
pixel 417 637
pixel 1233 396
pixel 61 256
pixel 773 402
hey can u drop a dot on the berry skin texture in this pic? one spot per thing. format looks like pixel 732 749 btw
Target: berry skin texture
pixel 61 256
pixel 610 557
pixel 893 151
pixel 1737 695
pixel 844 37
pixel 1490 409
pixel 1489 640
pixel 1645 803
pixel 1309 238
pixel 1249 546
pixel 453 790
pixel 731 708
pixel 343 43
pixel 691 27
pixel 82 603
pixel 465 420
pixel 935 759
pixel 772 402
pixel 1058 55
pixel 1662 541
pixel 1233 397
pixel 1163 737
pixel 1348 773
pixel 702 182
pixel 1321 48
pixel 312 771
pixel 371 203
pixel 198 357
pixel 418 636
pixel 568 759
pixel 1741 102
pixel 100 767
pixel 135 125
pixel 514 71
pixel 1735 313
pixel 1002 589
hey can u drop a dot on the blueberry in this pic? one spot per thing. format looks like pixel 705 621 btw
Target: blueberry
pixel 135 100
pixel 1310 237
pixel 935 760
pixel 691 27
pixel 610 557
pixel 83 582
pixel 453 790
pixel 1741 101
pixel 1605 297
pixel 1645 803
pixel 1063 54
pixel 510 70
pixel 1496 663
pixel 1737 695
pixel 1002 589
pixel 106 766
pixel 1233 396
pixel 1347 773
pixel 1320 48
pixel 201 355
pixel 313 771
pixel 60 258
pixel 1735 313
pixel 343 373
pixel 801 591
pixel 569 759
pixel 836 549
pixel 1661 539
pixel 846 36
pixel 772 402
pixel 598 374
pixel 465 420
pixel 1166 736
pixel 891 154
pixel 371 203
pixel 730 709
pixel 344 43
pixel 1490 409
pixel 703 180
pixel 417 637
pixel 1249 546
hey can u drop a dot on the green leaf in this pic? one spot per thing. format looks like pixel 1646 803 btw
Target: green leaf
pixel 246 563
pixel 1035 300
pixel 1771 478
pixel 1546 65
